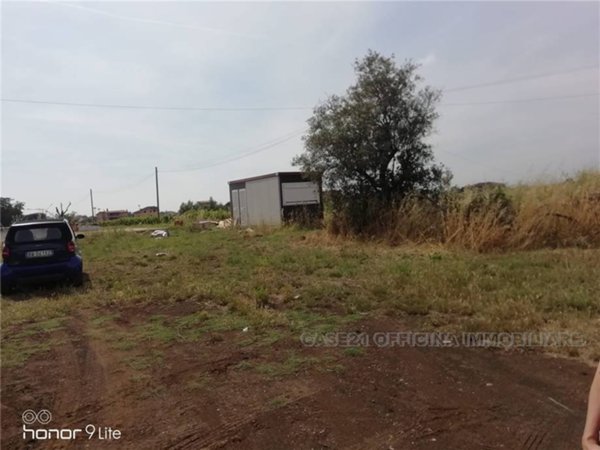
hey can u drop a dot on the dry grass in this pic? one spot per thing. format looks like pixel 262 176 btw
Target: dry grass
pixel 541 215
pixel 558 215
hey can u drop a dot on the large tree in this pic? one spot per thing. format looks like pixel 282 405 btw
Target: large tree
pixel 369 144
pixel 10 210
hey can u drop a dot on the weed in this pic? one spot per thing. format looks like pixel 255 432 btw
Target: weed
pixel 278 402
pixel 197 383
pixel 354 351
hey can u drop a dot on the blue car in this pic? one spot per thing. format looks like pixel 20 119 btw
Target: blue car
pixel 40 251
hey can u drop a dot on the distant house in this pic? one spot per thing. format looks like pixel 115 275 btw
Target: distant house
pixel 146 211
pixel 103 216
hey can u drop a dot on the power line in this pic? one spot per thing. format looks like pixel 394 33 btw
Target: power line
pixel 80 200
pixel 159 108
pixel 522 100
pixel 267 145
pixel 261 148
pixel 291 108
pixel 521 78
pixel 287 108
pixel 489 102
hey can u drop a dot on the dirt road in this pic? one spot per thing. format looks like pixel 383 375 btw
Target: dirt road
pixel 207 395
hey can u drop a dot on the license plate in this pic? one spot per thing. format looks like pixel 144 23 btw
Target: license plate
pixel 39 254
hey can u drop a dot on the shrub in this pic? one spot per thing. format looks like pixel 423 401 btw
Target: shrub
pixel 137 220
pixel 195 215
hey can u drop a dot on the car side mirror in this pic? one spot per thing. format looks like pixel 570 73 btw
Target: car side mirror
pixel 80 236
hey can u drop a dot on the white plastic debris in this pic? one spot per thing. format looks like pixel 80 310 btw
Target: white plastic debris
pixel 161 254
pixel 225 223
pixel 206 224
pixel 159 234
pixel 245 329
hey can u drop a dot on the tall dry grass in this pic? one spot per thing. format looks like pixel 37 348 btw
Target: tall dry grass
pixel 526 216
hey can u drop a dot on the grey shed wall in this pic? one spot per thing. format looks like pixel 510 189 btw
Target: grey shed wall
pixel 263 202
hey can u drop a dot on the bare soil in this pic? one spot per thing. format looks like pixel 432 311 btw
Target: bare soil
pixel 207 395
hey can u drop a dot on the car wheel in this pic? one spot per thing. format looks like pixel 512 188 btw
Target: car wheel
pixel 77 280
pixel 5 289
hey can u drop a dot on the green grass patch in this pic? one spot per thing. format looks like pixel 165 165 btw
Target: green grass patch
pixel 354 351
pixel 145 362
pixel 291 365
pixel 20 343
pixel 197 383
pixel 290 281
pixel 278 402
pixel 103 319
pixel 17 352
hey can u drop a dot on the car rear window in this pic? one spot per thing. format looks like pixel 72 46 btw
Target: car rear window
pixel 37 234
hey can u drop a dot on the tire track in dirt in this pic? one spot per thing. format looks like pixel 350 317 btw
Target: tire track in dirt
pixel 70 382
pixel 82 393
pixel 218 437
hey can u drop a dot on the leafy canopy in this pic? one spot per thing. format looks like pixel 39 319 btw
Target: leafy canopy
pixel 369 144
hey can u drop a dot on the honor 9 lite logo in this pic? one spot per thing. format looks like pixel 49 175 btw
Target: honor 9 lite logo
pixel 32 431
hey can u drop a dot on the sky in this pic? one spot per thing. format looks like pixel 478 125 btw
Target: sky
pixel 520 86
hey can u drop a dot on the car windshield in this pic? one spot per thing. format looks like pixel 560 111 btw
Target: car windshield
pixel 40 233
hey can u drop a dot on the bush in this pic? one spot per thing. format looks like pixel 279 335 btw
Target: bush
pixel 137 220
pixel 196 215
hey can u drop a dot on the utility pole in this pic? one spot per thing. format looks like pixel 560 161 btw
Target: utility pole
pixel 92 202
pixel 157 202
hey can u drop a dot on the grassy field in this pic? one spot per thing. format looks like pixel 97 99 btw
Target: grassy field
pixel 282 282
